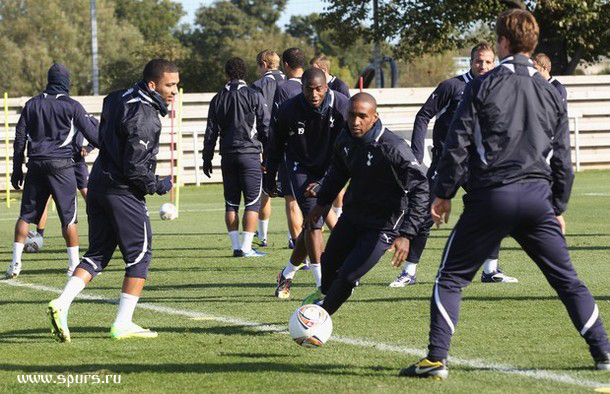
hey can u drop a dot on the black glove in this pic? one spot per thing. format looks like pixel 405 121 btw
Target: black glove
pixel 164 185
pixel 207 168
pixel 17 178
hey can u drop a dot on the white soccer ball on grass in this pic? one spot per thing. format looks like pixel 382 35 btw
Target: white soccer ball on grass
pixel 310 326
pixel 33 242
pixel 168 211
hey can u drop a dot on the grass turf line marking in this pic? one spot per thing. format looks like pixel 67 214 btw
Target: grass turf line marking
pixel 384 347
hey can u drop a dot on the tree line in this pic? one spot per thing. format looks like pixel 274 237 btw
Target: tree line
pixel 422 36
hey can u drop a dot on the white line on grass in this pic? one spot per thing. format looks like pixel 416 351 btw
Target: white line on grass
pixel 536 374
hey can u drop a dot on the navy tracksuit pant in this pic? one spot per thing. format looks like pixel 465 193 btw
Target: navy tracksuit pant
pixel 522 210
pixel 351 252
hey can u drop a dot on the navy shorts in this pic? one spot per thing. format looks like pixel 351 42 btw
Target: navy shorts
pixel 81 171
pixel 118 220
pixel 49 178
pixel 241 174
pixel 298 180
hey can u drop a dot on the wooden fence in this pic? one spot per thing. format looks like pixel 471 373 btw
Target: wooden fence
pixel 588 106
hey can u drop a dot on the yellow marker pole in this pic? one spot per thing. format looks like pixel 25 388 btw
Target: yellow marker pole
pixel 179 157
pixel 8 183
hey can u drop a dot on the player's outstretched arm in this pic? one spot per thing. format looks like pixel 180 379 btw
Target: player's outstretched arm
pixel 437 100
pixel 86 124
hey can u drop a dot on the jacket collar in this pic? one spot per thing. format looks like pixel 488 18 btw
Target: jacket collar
pixel 517 59
pixel 374 133
pixel 151 97
pixel 235 84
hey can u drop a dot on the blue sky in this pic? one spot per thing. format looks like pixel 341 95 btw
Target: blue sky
pixel 294 7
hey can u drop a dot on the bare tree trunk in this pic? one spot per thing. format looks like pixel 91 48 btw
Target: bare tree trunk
pixel 575 60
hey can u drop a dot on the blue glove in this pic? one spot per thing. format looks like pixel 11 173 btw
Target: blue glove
pixel 164 185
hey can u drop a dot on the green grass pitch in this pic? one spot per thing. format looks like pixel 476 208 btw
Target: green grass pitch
pixel 220 327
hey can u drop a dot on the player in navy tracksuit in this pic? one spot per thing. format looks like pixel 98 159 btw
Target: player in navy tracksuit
pixel 385 203
pixel 122 175
pixel 442 103
pixel 47 125
pixel 336 84
pixel 542 63
pixel 239 115
pixel 306 129
pixel 81 172
pixel 510 137
pixel 268 63
pixel 293 61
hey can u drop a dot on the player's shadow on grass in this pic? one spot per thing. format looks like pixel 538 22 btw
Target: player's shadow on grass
pixel 160 234
pixel 214 285
pixel 31 272
pixel 246 331
pixel 470 298
pixel 43 334
pixel 251 367
pixel 174 248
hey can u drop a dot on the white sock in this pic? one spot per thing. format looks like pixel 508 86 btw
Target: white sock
pixel 410 268
pixel 234 237
pixel 246 244
pixel 263 227
pixel 290 270
pixel 127 304
pixel 490 265
pixel 17 252
pixel 73 259
pixel 74 286
pixel 338 211
pixel 316 270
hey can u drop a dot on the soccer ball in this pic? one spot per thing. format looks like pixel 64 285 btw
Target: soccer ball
pixel 168 211
pixel 33 242
pixel 310 326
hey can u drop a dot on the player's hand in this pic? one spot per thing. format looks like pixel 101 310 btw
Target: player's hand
pixel 164 185
pixel 207 168
pixel 17 178
pixel 440 210
pixel 84 152
pixel 562 224
pixel 312 190
pixel 314 216
pixel 401 250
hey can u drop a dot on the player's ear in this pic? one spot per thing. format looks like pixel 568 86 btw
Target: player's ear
pixel 152 85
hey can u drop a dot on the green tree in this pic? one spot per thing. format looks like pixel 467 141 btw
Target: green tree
pixel 347 61
pixel 36 33
pixel 155 19
pixel 230 28
pixel 571 30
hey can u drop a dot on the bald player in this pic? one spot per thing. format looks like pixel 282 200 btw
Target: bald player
pixel 376 162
